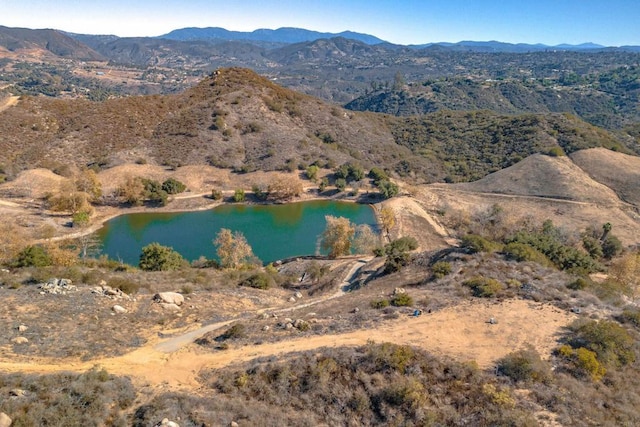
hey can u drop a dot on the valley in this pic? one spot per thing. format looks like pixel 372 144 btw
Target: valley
pixel 499 285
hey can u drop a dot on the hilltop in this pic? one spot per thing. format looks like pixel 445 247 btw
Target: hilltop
pixel 517 305
pixel 236 119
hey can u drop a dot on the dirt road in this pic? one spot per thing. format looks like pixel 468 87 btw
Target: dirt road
pixel 462 332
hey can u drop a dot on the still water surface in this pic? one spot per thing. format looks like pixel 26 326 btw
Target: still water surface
pixel 273 231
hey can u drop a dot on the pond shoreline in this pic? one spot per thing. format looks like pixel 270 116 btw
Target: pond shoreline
pixel 106 213
pixel 274 230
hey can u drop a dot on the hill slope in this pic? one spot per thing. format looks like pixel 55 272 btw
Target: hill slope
pixel 238 119
pixel 545 176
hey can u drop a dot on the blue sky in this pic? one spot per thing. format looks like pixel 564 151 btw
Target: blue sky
pixel 607 22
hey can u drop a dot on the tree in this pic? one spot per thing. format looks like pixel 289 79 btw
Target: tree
pixel 238 196
pixel 86 181
pixel 12 240
pixel 387 219
pixel 233 250
pixel 341 184
pixel 153 191
pixel 336 238
pixel 388 189
pixel 155 257
pixel 398 253
pixel 312 172
pixel 284 187
pixel 33 256
pixel 173 186
pixel 130 191
pixel 365 240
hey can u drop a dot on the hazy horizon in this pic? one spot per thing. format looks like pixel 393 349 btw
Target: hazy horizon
pixel 547 22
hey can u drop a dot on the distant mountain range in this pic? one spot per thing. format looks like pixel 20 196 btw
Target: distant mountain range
pixel 281 35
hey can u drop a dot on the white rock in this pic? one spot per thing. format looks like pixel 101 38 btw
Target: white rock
pixel 19 340
pixel 169 298
pixel 22 328
pixel 119 309
pixel 5 421
pixel 298 295
pixel 265 328
pixel 292 299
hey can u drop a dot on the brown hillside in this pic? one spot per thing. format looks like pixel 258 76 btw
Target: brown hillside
pixel 239 120
pixel 617 171
pixel 544 176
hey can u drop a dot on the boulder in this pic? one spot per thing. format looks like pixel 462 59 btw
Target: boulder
pixel 5 421
pixel 292 299
pixel 397 291
pixel 298 295
pixel 169 307
pixel 167 423
pixel 119 309
pixel 19 340
pixel 169 298
pixel 22 328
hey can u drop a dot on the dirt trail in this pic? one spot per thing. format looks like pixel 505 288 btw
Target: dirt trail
pixel 8 102
pixel 462 332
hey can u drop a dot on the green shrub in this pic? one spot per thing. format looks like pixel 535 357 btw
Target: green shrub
pixel 556 152
pixel 312 172
pixel 239 196
pixel 173 186
pixel 484 287
pixel 611 246
pixel 441 269
pixel 583 362
pixel 33 256
pixel 258 281
pixel 379 303
pixel 475 243
pixel 238 330
pixel 402 300
pixel 216 194
pixel 525 366
pixel 377 175
pixel 522 252
pixel 611 342
pixel 388 189
pixel 631 315
pixel 341 184
pixel 155 257
pixel 398 254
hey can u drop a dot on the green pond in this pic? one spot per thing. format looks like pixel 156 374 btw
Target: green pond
pixel 273 231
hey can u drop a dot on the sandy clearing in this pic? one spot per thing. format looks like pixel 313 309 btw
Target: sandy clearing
pixel 461 332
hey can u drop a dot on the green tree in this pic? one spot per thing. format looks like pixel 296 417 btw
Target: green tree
pixel 341 184
pixel 155 257
pixel 388 189
pixel 173 186
pixel 336 238
pixel 154 193
pixel 238 196
pixel 312 172
pixel 233 250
